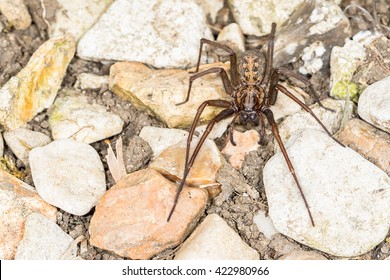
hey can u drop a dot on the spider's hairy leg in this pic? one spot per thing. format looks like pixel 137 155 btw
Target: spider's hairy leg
pixel 232 54
pixel 225 80
pixel 275 131
pixel 307 109
pixel 308 84
pixel 270 55
pixel 188 163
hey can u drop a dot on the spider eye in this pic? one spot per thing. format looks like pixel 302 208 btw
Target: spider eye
pixel 253 117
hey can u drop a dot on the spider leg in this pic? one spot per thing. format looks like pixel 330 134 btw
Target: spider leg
pixel 233 58
pixel 307 109
pixel 262 140
pixel 307 83
pixel 275 131
pixel 270 55
pixel 188 163
pixel 226 82
pixel 230 131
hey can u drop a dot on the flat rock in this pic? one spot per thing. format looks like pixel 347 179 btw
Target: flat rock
pixel 374 104
pixel 68 174
pixel 303 120
pixel 21 141
pixel 160 138
pixel 213 239
pixel 368 141
pixel 18 200
pixel 350 209
pixel 16 13
pixel 35 87
pixel 245 142
pixel 158 91
pixel 43 239
pixel 302 255
pixel 204 170
pixel 131 218
pixel 75 118
pixel 91 81
pixel 256 17
pixel 153 32
pixel 76 17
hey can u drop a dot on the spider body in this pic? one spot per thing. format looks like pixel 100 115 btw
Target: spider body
pixel 253 85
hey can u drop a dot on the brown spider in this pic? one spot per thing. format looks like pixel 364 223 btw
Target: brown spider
pixel 254 87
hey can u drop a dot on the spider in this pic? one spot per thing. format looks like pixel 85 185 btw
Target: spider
pixel 254 86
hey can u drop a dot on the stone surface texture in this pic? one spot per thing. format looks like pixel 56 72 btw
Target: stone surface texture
pixel 145 199
pixel 16 13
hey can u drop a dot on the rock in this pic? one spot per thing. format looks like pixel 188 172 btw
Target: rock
pixel 350 209
pixel 204 170
pixel 16 13
pixel 22 140
pixel 246 141
pixel 343 63
pixel 376 66
pixel 69 175
pixel 256 17
pixel 137 154
pixel 18 200
pixel 211 8
pixel 213 239
pixel 75 118
pixel 42 240
pixel 311 32
pixel 217 131
pixel 264 224
pixel 76 17
pixel 145 199
pixel 374 104
pixel 233 35
pixel 158 91
pixel 372 143
pixel 153 32
pixel 302 255
pixel 91 81
pixel 160 138
pixel 35 87
pixel 303 120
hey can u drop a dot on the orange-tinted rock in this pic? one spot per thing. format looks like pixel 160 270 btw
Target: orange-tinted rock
pixel 158 91
pixel 18 200
pixel 369 141
pixel 131 218
pixel 204 170
pixel 246 141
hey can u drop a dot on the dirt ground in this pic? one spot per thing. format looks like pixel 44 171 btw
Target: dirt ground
pixel 18 46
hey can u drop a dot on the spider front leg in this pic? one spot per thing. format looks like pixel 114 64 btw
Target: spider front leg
pixel 225 80
pixel 232 54
pixel 275 131
pixel 188 163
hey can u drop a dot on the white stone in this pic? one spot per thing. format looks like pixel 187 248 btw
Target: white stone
pixel 68 174
pixel 303 120
pixel 233 34
pixel 73 117
pixel 16 13
pixel 264 224
pixel 160 138
pixel 1 145
pixel 374 104
pixel 76 17
pixel 160 33
pixel 42 240
pixel 213 239
pixel 256 16
pixel 211 7
pixel 312 58
pixel 348 196
pixel 91 81
pixel 22 140
pixel 218 129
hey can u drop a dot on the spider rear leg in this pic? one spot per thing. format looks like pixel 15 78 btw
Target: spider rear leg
pixel 307 109
pixel 188 163
pixel 275 131
pixel 225 80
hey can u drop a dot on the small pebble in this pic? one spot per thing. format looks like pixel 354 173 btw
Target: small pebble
pixel 91 81
pixel 16 13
